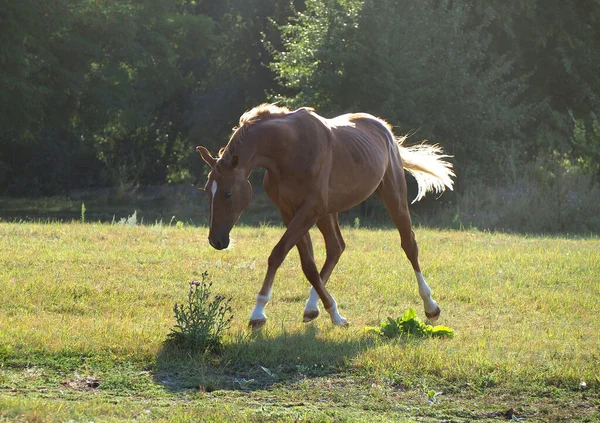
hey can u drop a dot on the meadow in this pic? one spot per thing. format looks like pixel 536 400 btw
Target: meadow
pixel 86 309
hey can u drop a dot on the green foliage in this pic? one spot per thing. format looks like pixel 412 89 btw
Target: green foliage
pixel 586 142
pixel 116 93
pixel 96 92
pixel 478 78
pixel 549 195
pixel 202 321
pixel 410 325
pixel 421 65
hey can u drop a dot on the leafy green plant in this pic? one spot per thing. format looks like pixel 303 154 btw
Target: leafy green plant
pixel 202 321
pixel 432 396
pixel 410 325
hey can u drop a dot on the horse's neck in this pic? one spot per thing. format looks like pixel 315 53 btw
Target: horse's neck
pixel 258 153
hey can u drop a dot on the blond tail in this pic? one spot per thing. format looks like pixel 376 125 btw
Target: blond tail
pixel 426 163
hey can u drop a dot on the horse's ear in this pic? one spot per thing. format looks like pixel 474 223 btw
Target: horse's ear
pixel 224 164
pixel 206 156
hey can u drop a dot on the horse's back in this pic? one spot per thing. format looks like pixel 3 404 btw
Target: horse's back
pixel 360 146
pixel 343 158
pixel 361 140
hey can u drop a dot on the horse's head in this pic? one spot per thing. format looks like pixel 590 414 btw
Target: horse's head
pixel 229 192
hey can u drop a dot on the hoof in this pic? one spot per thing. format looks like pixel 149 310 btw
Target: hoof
pixel 256 324
pixel 433 316
pixel 342 323
pixel 310 315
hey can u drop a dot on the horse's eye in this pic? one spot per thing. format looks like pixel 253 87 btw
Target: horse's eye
pixel 228 194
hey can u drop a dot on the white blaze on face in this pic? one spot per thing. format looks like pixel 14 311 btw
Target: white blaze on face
pixel 213 190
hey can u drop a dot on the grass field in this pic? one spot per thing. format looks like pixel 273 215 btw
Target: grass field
pixel 86 309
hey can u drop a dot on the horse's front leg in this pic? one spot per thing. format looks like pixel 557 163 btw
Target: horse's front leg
pixel 297 227
pixel 296 234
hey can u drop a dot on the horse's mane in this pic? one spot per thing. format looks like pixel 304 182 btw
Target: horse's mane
pixel 261 112
pixel 256 114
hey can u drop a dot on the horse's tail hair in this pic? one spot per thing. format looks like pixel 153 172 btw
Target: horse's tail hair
pixel 428 166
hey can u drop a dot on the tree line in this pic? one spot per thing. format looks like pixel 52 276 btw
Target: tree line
pixel 118 92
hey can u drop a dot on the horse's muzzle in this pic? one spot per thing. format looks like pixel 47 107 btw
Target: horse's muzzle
pixel 219 244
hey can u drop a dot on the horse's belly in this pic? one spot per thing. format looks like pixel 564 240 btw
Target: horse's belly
pixel 351 185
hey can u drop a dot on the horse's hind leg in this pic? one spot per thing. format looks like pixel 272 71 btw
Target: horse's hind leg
pixel 334 245
pixel 393 194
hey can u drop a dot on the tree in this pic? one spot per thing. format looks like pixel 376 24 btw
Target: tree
pixel 96 92
pixel 556 44
pixel 239 75
pixel 419 64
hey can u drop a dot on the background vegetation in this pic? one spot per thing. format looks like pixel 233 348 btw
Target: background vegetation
pixel 115 94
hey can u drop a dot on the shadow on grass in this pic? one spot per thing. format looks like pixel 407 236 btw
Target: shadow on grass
pixel 260 361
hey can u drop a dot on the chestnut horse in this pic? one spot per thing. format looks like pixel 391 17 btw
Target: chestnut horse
pixel 315 168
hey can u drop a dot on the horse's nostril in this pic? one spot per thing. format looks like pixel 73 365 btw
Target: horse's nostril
pixel 216 244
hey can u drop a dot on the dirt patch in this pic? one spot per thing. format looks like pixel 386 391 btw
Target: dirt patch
pixel 82 384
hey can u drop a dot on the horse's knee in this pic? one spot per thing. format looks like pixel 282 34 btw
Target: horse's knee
pixel 276 257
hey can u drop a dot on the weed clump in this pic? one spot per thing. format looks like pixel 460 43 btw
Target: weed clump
pixel 411 326
pixel 202 321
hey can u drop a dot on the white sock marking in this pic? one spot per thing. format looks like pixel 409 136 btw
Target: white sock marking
pixel 313 301
pixel 259 309
pixel 335 315
pixel 425 293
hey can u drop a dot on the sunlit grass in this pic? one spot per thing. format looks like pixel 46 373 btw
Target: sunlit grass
pixel 96 300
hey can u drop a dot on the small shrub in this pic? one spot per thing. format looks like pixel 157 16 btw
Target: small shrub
pixel 130 220
pixel 549 195
pixel 201 323
pixel 410 325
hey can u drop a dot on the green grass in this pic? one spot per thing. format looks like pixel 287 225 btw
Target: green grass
pixel 86 309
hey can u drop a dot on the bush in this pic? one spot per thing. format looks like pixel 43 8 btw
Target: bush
pixel 201 322
pixel 410 325
pixel 548 196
